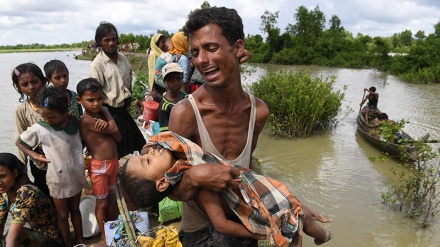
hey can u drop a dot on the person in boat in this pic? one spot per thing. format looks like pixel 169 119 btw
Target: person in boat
pixel 264 206
pixel 383 117
pixel 373 99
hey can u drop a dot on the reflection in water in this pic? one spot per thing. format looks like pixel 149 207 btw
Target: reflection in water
pixel 329 172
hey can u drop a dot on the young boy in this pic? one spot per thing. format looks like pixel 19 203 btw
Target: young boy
pixel 58 74
pixel 264 206
pixel 100 133
pixel 173 78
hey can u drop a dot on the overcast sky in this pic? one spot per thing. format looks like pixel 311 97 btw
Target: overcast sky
pixel 59 21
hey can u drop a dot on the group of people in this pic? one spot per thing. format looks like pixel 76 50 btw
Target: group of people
pixel 51 128
pixel 215 128
pixel 225 121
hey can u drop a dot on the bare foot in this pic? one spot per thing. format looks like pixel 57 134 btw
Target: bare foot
pixel 322 218
pixel 329 236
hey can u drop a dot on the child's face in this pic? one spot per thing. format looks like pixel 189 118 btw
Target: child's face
pixel 174 81
pixel 60 79
pixel 30 84
pixel 92 102
pixel 53 118
pixel 151 165
pixel 163 45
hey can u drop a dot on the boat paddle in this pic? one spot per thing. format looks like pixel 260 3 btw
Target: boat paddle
pixel 360 108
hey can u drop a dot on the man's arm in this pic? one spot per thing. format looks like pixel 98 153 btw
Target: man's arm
pixel 213 177
pixel 212 205
pixel 260 121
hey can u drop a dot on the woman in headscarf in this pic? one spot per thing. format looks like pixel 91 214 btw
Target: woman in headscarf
pixel 178 53
pixel 158 45
pixel 179 48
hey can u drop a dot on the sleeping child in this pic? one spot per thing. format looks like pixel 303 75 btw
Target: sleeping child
pixel 264 206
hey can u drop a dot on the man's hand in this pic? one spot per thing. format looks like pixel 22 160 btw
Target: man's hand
pixel 212 177
pixel 215 177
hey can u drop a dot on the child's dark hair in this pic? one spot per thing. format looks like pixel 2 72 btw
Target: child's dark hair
pixel 11 162
pixel 26 68
pixel 227 19
pixel 54 99
pixel 373 89
pixel 52 66
pixel 103 29
pixel 89 84
pixel 142 192
pixel 383 115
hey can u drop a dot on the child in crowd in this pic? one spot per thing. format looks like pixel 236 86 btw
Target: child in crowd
pixel 58 74
pixel 264 206
pixel 33 220
pixel 28 80
pixel 100 134
pixel 60 139
pixel 173 78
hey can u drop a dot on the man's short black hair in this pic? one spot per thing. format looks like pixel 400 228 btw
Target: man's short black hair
pixel 227 19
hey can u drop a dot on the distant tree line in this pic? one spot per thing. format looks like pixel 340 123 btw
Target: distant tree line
pixel 311 40
pixel 308 42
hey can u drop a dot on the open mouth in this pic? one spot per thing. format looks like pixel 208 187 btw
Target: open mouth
pixel 211 73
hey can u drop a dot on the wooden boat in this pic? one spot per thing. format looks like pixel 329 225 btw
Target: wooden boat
pixel 394 150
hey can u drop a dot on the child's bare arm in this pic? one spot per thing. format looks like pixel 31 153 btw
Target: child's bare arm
pixel 112 128
pixel 216 214
pixel 34 155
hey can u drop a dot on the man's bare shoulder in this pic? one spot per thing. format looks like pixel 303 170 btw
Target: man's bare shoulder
pixel 262 109
pixel 182 119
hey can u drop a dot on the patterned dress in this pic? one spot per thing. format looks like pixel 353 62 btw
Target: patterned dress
pixel 31 206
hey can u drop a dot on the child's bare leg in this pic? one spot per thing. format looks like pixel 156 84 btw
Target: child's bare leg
pixel 75 216
pixel 315 215
pixel 100 211
pixel 329 236
pixel 62 208
pixel 314 230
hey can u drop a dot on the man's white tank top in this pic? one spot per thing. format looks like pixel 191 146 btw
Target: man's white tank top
pixel 244 159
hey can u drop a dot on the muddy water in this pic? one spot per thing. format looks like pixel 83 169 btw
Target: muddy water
pixel 329 172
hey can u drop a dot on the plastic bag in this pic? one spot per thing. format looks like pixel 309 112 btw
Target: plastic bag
pixel 169 210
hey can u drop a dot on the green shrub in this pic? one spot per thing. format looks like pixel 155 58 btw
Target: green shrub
pixel 298 104
pixel 416 192
pixel 138 90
